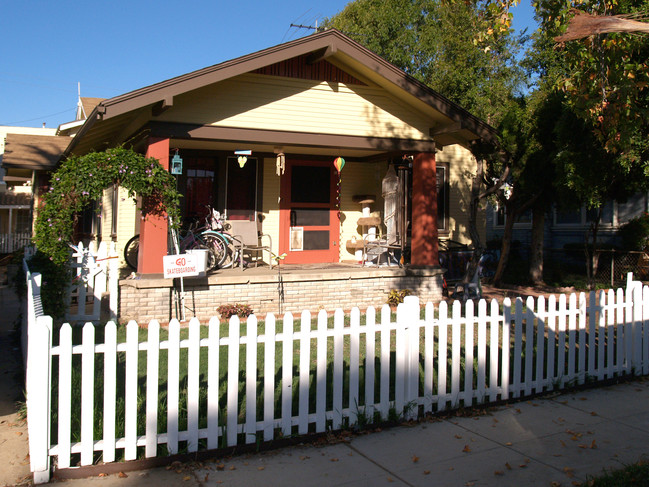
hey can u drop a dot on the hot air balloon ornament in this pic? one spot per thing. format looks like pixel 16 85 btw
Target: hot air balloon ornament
pixel 339 163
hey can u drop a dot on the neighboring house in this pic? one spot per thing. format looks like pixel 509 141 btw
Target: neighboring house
pixel 25 153
pixel 570 227
pixel 295 107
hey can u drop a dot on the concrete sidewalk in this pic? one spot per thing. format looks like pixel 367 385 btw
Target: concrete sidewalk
pixel 551 441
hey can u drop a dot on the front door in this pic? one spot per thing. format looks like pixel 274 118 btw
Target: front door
pixel 309 226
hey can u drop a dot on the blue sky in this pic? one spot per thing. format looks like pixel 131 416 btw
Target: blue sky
pixel 116 46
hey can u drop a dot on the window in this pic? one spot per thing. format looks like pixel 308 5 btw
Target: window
pixel 524 219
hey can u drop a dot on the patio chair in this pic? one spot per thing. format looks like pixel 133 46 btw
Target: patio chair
pixel 468 290
pixel 248 240
pixel 376 249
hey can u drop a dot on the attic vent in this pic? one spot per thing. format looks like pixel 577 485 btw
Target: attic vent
pixel 298 67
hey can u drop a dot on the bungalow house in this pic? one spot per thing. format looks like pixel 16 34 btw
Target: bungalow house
pixel 293 109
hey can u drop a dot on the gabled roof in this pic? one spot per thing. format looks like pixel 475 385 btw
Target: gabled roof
pixel 36 152
pixel 88 104
pixel 448 119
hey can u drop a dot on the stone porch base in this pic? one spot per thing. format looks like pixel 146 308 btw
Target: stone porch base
pixel 306 288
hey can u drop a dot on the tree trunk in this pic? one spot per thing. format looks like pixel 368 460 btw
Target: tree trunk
pixel 510 218
pixel 536 251
pixel 473 219
pixel 592 253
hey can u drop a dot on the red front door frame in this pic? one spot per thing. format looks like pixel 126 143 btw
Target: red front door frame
pixel 287 208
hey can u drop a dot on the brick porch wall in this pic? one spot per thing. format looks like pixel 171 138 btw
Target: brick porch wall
pixel 147 299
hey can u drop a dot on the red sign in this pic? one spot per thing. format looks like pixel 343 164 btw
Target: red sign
pixel 182 265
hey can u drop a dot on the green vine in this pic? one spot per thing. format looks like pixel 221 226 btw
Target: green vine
pixel 80 180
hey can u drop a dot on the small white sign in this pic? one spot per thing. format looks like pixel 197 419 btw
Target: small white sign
pixel 181 265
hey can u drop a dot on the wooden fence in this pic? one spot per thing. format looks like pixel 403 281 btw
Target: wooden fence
pixel 122 394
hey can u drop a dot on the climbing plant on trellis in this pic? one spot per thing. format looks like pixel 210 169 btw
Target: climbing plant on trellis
pixel 80 180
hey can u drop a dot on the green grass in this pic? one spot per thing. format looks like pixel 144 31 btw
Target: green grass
pixel 634 475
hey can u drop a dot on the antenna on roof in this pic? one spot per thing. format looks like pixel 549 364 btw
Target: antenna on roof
pixel 310 27
pixel 81 115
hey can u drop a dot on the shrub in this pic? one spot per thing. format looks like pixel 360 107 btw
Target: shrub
pixel 226 311
pixel 635 233
pixel 396 296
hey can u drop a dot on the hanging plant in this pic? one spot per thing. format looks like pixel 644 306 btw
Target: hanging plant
pixel 81 180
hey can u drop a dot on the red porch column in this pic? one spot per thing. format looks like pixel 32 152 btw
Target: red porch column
pixel 153 228
pixel 424 211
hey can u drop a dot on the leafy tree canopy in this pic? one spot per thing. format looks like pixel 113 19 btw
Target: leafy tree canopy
pixel 81 180
pixel 605 78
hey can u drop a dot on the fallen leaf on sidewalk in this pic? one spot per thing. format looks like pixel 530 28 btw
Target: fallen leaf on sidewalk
pixel 187 477
pixel 232 467
pixel 459 437
pixel 569 472
pixel 220 466
pixel 426 472
pixel 415 459
pixel 593 445
pixel 207 476
pixel 333 460
pixel 499 472
pixel 261 468
pixel 509 443
pixel 466 449
pixel 102 475
pixel 122 475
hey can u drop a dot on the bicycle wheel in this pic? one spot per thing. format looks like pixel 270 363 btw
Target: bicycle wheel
pixel 218 247
pixel 131 251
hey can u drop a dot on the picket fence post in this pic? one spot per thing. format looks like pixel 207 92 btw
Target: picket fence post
pixel 113 280
pixel 38 396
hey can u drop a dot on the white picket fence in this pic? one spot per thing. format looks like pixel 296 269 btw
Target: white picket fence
pixel 96 272
pixel 288 377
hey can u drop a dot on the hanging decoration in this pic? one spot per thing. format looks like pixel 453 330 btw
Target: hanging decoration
pixel 243 156
pixel 339 163
pixel 280 164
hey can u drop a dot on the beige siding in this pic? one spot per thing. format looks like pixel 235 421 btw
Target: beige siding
pixel 126 224
pixel 357 179
pixel 461 166
pixel 262 102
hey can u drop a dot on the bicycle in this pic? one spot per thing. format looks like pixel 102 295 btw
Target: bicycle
pixel 195 238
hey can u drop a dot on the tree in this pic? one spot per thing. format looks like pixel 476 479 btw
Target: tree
pixel 605 78
pixel 602 151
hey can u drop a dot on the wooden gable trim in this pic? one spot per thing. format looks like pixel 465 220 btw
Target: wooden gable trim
pixel 300 67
